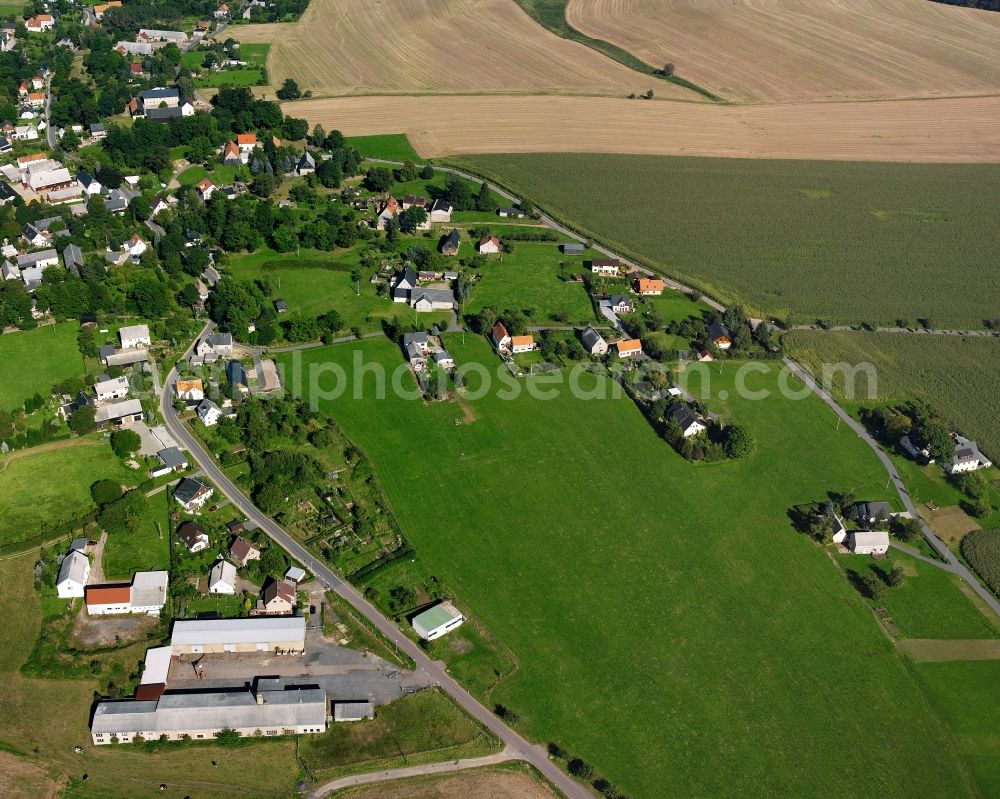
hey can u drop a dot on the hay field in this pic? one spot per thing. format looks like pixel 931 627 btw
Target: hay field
pixel 435 46
pixel 799 50
pixel 963 130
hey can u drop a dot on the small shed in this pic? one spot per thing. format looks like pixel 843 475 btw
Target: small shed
pixel 572 248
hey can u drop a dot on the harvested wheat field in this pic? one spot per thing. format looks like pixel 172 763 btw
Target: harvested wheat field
pixel 953 130
pixel 437 46
pixel 800 50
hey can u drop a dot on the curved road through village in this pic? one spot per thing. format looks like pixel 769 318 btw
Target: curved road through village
pixel 515 746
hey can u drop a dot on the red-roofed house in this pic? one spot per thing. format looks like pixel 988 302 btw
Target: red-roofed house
pixel 490 245
pixel 501 338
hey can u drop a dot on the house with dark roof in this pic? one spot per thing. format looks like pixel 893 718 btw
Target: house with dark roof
pixel 451 242
pixel 720 335
pixel 193 535
pixel 593 341
pixel 242 551
pixel 192 494
pixel 689 422
pixel 277 599
pixel 406 282
pixel 871 515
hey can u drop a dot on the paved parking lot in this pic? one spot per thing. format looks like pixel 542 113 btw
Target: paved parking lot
pixel 343 673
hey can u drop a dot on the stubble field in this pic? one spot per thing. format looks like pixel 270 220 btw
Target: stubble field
pixel 420 46
pixel 945 130
pixel 796 50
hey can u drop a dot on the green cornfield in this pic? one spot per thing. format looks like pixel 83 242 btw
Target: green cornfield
pixel 800 240
pixel 958 375
pixel 982 549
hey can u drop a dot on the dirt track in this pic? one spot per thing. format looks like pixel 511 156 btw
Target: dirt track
pixel 947 130
pixel 798 50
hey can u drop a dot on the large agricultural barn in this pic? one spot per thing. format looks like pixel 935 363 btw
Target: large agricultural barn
pixel 275 634
pixel 272 709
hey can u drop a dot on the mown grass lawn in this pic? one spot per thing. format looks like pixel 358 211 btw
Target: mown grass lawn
pixel 34 360
pixel 220 175
pixel 417 728
pixel 51 483
pixel 670 627
pixel 533 276
pixel 929 603
pixel 390 146
pixel 967 694
pixel 147 549
pixel 248 76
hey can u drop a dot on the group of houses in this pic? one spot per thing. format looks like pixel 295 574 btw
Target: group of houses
pixel 869 533
pixel 409 287
pixel 160 104
pixel 438 211
pixel 145 594
pixel 968 457
pixel 421 349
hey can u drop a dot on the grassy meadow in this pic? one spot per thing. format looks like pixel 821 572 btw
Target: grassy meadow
pixel 796 239
pixel 390 146
pixel 533 276
pixel 315 282
pixel 967 694
pixel 34 360
pixel 51 483
pixel 146 549
pixel 652 601
pixel 958 376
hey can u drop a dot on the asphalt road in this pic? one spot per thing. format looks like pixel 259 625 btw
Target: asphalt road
pixel 516 746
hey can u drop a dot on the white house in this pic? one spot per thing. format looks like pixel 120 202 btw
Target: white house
pixel 192 495
pixel 489 245
pixel 190 390
pixel 209 413
pixel 605 266
pixel 686 418
pixel 147 593
pixel 629 348
pixel 440 212
pixel 222 578
pixel 135 247
pixel 111 389
pixel 967 458
pixel 839 530
pixel 868 542
pixel 593 341
pixel 436 621
pixel 501 338
pixel 40 23
pixel 134 337
pixel 73 575
pixel 522 344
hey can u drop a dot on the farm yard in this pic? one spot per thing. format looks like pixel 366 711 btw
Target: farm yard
pixel 41 720
pixel 959 376
pixel 340 47
pixel 751 603
pixel 775 235
pixel 800 50
pixel 32 361
pixel 944 130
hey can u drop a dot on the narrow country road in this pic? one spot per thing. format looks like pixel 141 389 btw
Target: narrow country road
pixel 516 747
pixel 410 771
pixel 956 565
pixel 50 134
